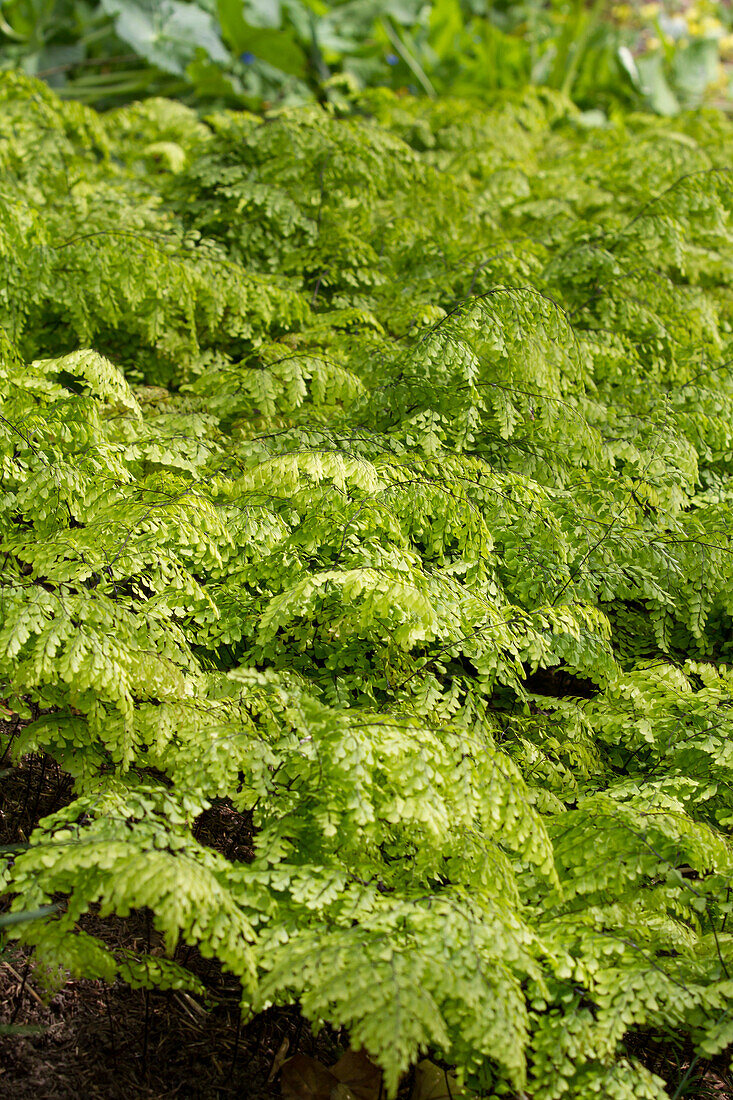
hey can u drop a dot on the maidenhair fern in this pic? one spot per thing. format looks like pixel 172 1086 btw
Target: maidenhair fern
pixel 369 469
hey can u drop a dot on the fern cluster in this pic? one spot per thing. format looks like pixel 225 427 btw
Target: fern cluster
pixel 368 469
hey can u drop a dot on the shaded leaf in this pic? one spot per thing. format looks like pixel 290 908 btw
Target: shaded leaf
pixel 357 1071
pixel 435 1083
pixel 305 1078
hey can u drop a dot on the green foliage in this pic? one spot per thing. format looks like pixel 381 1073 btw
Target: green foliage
pixel 250 52
pixel 366 468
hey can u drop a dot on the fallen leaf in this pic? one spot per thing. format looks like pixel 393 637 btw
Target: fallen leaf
pixel 434 1083
pixel 278 1060
pixel 357 1071
pixel 342 1092
pixel 304 1078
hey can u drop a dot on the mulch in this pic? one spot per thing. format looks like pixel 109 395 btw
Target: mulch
pixel 113 1043
pixel 99 1042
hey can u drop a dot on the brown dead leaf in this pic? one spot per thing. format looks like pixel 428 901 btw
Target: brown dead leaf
pixel 278 1060
pixel 342 1092
pixel 304 1078
pixel 434 1083
pixel 357 1071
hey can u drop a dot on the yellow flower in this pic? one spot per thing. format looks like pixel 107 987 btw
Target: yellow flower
pixel 710 26
pixel 702 8
pixel 649 11
pixel 720 84
pixel 725 46
pixel 623 12
pixel 653 44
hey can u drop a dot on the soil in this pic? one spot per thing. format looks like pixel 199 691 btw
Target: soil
pixel 100 1042
pixel 111 1043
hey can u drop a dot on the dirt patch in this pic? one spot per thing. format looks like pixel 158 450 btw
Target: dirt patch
pixel 104 1042
pixel 113 1043
pixel 100 1042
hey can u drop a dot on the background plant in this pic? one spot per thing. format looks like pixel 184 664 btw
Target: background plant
pixel 245 52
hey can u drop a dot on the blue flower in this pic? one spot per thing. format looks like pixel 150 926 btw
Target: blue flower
pixel 247 57
pixel 391 59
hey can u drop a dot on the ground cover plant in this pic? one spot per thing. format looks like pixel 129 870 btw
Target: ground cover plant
pixel 366 476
